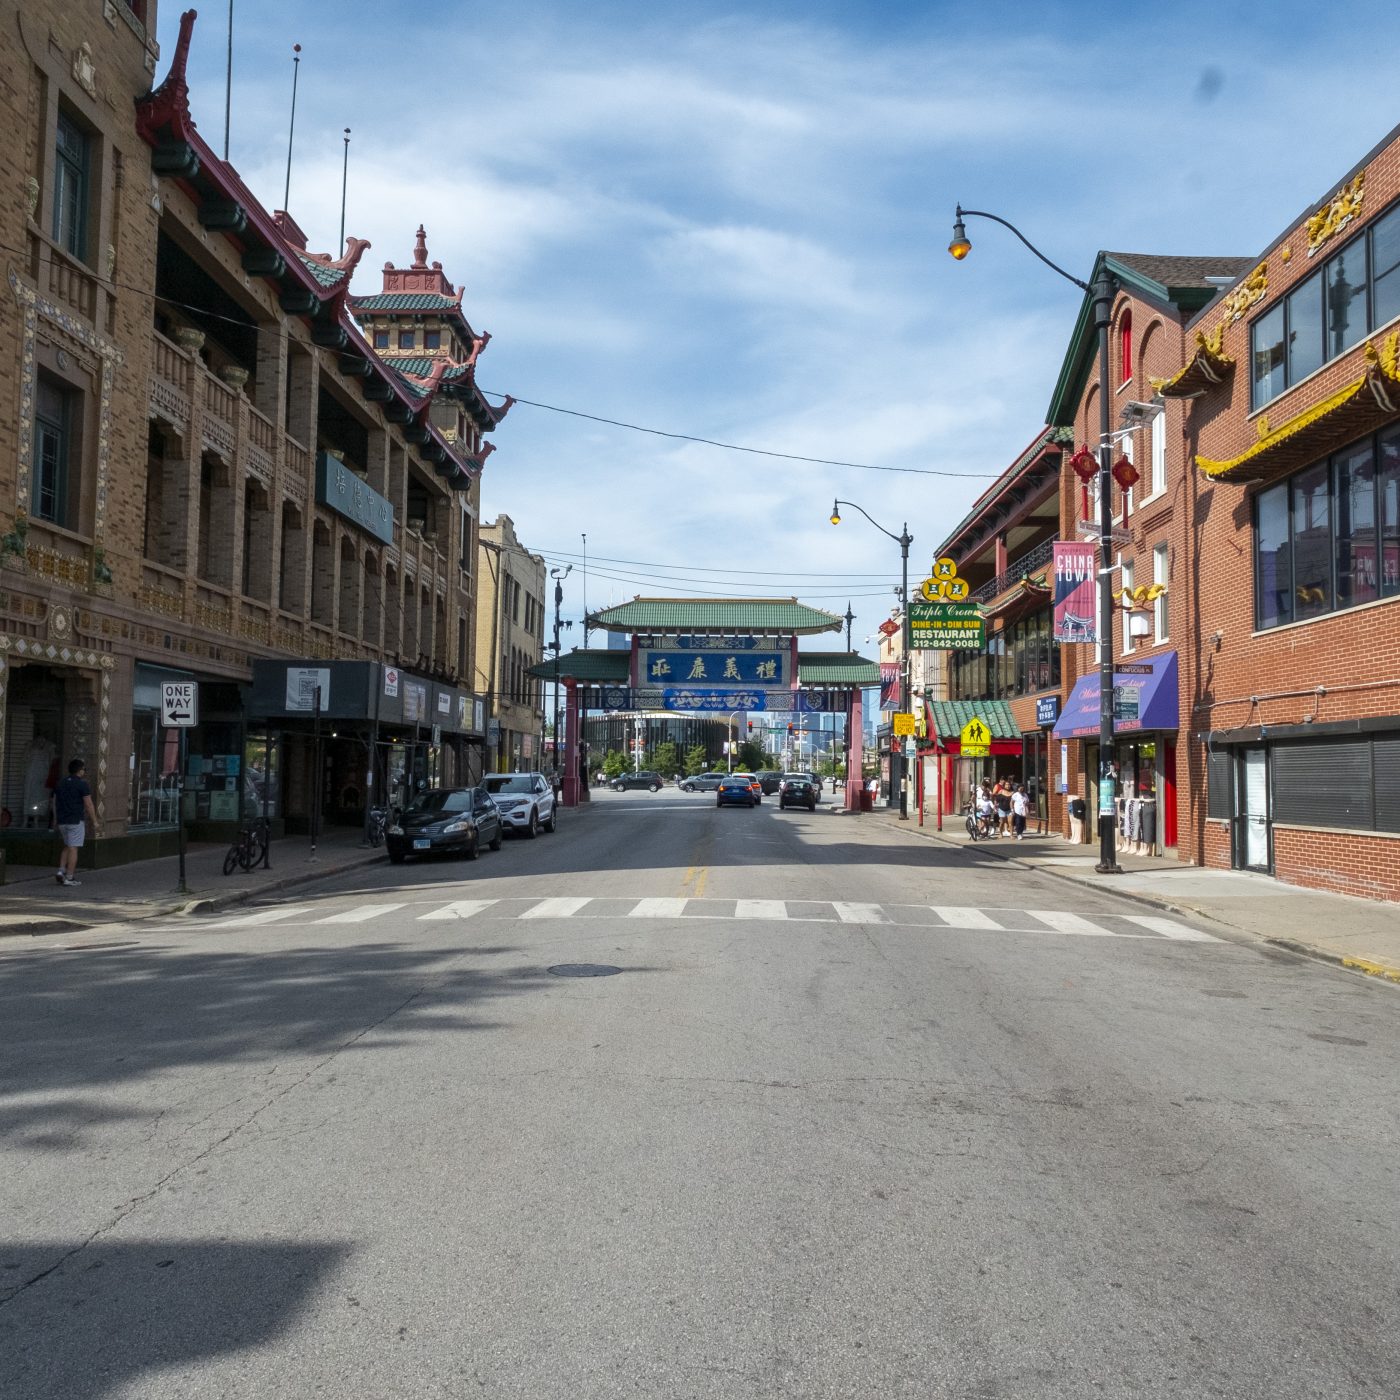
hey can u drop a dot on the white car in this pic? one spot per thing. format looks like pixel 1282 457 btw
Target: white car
pixel 526 801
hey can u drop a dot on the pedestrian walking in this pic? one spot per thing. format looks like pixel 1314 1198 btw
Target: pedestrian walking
pixel 1001 795
pixel 72 811
pixel 1020 810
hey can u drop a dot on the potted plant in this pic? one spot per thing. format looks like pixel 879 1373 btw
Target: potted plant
pixel 235 376
pixel 189 338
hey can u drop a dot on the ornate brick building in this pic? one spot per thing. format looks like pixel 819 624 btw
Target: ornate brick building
pixel 213 475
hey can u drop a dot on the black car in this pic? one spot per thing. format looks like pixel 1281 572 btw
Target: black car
pixel 652 782
pixel 770 778
pixel 797 790
pixel 702 782
pixel 456 820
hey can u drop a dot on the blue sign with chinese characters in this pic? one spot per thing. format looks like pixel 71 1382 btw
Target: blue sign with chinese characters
pixel 701 642
pixel 340 490
pixel 1047 710
pixel 726 700
pixel 713 668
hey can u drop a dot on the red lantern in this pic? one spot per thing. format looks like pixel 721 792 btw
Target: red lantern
pixel 1085 465
pixel 1125 474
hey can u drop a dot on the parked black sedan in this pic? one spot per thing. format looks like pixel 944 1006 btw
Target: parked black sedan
pixel 796 790
pixel 455 820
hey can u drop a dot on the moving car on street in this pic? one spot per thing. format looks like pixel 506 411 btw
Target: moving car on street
pixel 796 790
pixel 452 821
pixel 754 784
pixel 702 782
pixel 736 790
pixel 770 778
pixel 652 782
pixel 526 801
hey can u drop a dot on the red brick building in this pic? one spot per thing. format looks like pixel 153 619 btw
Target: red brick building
pixel 1286 580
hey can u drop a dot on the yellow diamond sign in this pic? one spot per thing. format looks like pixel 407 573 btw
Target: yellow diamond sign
pixel 975 739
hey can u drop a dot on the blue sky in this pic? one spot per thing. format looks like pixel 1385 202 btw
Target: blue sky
pixel 730 221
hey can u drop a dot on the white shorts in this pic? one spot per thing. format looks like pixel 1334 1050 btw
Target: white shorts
pixel 73 835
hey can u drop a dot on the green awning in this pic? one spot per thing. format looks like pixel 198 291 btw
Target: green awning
pixel 671 615
pixel 949 717
pixel 836 668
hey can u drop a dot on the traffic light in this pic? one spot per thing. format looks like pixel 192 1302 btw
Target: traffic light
pixel 751 726
pixel 789 726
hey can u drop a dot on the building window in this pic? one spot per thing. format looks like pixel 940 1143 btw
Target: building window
pixel 1160 631
pixel 1158 466
pixel 1329 537
pixel 406 340
pixel 72 187
pixel 1356 291
pixel 57 415
pixel 381 340
pixel 1127 569
pixel 432 340
pixel 1125 348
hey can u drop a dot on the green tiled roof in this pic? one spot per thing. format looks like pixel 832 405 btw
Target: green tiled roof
pixel 406 301
pixel 595 664
pixel 836 668
pixel 717 615
pixel 325 275
pixel 420 365
pixel 949 717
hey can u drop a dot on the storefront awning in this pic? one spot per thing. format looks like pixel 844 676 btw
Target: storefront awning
pixel 1144 698
pixel 948 718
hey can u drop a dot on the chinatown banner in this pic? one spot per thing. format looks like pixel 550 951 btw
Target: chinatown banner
pixel 889 685
pixel 1075 563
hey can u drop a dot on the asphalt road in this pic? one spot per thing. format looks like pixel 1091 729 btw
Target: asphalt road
pixel 858 1116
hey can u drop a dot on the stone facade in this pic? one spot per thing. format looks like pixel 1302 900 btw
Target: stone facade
pixel 509 641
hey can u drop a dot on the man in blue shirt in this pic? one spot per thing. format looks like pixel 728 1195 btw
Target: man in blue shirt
pixel 72 810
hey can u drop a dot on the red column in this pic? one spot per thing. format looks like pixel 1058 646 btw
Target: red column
pixel 855 752
pixel 571 746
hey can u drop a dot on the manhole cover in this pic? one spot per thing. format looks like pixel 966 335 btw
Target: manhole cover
pixel 583 970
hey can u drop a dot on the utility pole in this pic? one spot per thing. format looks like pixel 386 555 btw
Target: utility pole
pixel 558 575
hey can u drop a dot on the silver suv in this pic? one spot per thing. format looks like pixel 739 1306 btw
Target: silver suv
pixel 526 801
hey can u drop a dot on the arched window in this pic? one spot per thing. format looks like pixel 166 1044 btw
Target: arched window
pixel 1125 347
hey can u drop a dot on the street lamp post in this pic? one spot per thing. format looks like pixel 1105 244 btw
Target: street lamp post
pixel 1102 292
pixel 904 539
pixel 558 575
pixel 729 747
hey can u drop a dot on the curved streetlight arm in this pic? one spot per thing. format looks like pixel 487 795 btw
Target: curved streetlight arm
pixel 997 219
pixel 904 540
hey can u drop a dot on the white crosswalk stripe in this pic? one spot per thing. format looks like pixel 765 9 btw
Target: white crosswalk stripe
pixel 658 909
pixel 957 917
pixel 859 913
pixel 1070 923
pixel 760 909
pixel 263 916
pixel 554 909
pixel 362 915
pixel 1169 928
pixel 460 909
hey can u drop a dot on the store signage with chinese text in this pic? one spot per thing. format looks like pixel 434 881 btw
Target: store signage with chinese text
pixel 946 627
pixel 739 668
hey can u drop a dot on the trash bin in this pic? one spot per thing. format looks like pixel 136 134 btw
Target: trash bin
pixel 1078 809
pixel 867 800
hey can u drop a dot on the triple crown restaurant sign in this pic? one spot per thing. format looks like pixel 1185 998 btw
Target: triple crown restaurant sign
pixel 945 620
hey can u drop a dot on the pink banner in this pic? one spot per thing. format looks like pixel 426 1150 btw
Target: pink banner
pixel 1075 563
pixel 889 685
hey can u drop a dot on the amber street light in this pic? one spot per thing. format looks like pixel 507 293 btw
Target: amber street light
pixel 904 539
pixel 1102 293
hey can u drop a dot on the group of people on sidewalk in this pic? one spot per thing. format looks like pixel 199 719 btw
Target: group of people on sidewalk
pixel 1003 808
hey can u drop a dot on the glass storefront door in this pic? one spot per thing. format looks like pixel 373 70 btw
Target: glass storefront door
pixel 1251 818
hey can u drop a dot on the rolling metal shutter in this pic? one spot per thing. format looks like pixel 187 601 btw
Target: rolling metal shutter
pixel 1219 763
pixel 1324 783
pixel 1387 768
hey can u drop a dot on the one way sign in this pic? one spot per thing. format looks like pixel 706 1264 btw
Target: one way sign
pixel 179 704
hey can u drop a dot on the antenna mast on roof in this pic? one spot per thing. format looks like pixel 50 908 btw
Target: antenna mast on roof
pixel 228 80
pixel 344 181
pixel 291 126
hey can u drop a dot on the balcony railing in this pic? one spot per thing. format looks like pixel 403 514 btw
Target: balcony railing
pixel 1028 563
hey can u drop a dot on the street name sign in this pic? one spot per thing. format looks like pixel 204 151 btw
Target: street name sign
pixel 179 704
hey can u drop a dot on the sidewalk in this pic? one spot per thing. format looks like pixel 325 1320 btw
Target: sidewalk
pixel 31 902
pixel 1362 934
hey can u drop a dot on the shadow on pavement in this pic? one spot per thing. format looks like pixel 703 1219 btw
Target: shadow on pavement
pixel 130 1309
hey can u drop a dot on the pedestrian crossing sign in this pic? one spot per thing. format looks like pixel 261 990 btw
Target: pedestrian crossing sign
pixel 975 739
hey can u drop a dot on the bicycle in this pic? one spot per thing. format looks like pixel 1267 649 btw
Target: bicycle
pixel 979 827
pixel 378 824
pixel 249 849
